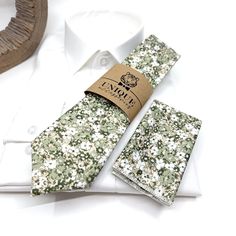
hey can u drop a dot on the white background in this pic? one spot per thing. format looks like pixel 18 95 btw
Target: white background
pixel 202 84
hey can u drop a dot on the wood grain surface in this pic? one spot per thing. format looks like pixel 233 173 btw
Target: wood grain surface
pixel 24 32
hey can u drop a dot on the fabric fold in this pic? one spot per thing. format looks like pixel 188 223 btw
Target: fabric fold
pixel 155 158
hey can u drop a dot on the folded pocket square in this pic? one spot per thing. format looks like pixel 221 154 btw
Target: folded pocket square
pixel 157 154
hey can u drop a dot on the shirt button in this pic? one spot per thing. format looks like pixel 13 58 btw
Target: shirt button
pixel 104 61
pixel 32 130
pixel 28 150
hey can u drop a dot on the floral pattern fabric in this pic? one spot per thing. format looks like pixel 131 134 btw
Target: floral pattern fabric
pixel 70 153
pixel 156 156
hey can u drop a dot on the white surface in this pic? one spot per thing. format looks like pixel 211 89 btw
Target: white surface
pixel 203 32
pixel 60 77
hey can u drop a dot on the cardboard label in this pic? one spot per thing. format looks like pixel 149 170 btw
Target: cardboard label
pixel 125 87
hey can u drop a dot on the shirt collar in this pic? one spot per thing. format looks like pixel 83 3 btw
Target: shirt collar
pixel 100 33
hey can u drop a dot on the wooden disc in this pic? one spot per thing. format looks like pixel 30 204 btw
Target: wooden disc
pixel 24 32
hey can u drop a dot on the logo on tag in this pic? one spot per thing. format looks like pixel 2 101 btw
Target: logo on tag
pixel 128 81
pixel 125 87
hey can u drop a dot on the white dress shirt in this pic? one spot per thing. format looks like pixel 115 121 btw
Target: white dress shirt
pixel 68 62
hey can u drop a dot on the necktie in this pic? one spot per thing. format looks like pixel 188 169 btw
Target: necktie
pixel 70 153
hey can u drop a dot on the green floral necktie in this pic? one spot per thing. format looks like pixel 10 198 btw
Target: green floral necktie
pixel 70 153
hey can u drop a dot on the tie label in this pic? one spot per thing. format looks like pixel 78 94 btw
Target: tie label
pixel 125 87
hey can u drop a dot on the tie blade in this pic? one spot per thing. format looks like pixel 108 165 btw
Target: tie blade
pixel 70 153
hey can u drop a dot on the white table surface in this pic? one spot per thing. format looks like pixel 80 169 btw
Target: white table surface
pixel 203 32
